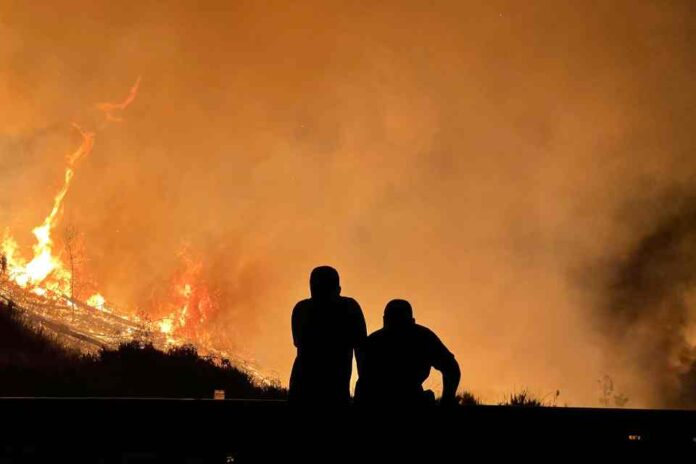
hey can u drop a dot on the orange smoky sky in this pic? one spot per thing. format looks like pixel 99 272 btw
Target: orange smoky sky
pixel 476 158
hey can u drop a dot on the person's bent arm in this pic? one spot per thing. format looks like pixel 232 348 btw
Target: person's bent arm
pixel 443 360
pixel 450 380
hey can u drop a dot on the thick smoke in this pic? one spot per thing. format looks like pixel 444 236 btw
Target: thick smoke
pixel 471 157
pixel 651 301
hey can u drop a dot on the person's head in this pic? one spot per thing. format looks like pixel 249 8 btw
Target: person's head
pixel 324 282
pixel 398 313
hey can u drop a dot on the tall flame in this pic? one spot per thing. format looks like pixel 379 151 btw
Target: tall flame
pixel 44 262
pixel 46 271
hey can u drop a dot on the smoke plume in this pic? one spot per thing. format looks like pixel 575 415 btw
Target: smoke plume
pixel 650 301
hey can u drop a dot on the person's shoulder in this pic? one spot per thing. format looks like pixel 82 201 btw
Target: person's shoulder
pixel 348 300
pixel 351 303
pixel 425 333
pixel 377 334
pixel 375 339
pixel 423 330
pixel 302 305
pixel 432 342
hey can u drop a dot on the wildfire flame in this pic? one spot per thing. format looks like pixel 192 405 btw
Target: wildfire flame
pixel 188 306
pixel 45 274
pixel 97 301
pixel 109 108
pixel 44 262
pixel 190 302
pixel 46 271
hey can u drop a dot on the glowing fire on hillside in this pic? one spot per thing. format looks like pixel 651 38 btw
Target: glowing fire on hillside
pixel 191 300
pixel 43 285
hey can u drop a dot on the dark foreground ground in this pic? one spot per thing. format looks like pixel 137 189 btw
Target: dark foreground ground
pixel 197 431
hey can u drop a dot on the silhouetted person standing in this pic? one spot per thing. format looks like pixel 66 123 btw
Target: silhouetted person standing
pixel 397 359
pixel 326 329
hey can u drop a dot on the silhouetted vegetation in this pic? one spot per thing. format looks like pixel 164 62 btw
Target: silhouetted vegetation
pixel 610 397
pixel 466 398
pixel 34 364
pixel 523 398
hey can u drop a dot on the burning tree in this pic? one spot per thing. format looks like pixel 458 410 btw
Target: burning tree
pixel 74 251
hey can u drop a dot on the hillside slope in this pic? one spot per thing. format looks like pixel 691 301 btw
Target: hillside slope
pixel 33 363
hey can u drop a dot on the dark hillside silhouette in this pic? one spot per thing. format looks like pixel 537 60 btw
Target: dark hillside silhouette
pixel 32 364
pixel 22 345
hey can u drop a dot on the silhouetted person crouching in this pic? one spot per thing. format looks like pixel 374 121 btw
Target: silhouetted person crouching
pixel 326 329
pixel 396 360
